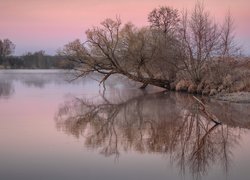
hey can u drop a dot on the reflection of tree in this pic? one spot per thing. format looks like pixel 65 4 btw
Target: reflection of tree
pixel 38 83
pixel 155 123
pixel 34 78
pixel 236 114
pixel 6 89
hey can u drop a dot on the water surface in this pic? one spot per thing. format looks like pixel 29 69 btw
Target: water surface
pixel 53 129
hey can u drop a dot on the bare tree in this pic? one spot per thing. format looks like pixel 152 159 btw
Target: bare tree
pixel 165 19
pixel 204 40
pixel 113 49
pixel 173 47
pixel 7 47
pixel 200 38
pixel 165 22
pixel 229 47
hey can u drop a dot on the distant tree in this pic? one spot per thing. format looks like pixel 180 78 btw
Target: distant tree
pixel 36 60
pixel 7 48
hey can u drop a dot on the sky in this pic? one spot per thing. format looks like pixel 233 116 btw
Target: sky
pixel 35 25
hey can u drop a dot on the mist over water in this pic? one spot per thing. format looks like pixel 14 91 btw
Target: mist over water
pixel 51 128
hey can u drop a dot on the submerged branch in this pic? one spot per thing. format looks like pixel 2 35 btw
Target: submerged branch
pixel 208 114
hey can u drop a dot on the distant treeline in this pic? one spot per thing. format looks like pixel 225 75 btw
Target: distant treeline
pixel 37 60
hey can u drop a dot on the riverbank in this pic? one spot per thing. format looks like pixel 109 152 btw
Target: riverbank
pixel 237 97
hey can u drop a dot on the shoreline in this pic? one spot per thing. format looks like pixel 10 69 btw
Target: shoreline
pixel 235 97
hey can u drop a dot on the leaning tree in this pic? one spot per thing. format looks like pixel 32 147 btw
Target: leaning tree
pixel 175 44
pixel 113 48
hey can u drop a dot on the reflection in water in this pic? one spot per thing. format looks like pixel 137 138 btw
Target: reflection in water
pixel 29 78
pixel 35 78
pixel 41 78
pixel 169 124
pixel 6 89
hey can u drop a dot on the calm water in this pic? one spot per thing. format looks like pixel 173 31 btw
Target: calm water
pixel 51 129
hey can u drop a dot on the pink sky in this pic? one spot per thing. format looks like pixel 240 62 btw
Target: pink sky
pixel 49 24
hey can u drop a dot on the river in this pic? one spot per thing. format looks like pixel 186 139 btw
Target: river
pixel 52 128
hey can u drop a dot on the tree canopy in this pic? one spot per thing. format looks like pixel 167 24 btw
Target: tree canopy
pixel 175 45
pixel 7 47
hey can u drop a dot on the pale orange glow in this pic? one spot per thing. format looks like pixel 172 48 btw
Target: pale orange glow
pixel 48 24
